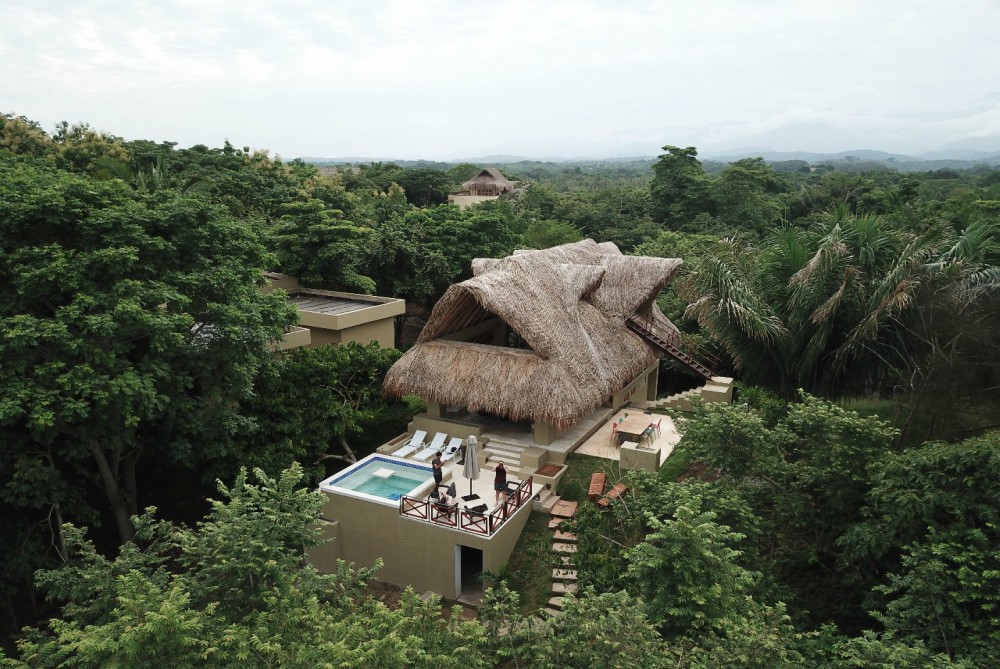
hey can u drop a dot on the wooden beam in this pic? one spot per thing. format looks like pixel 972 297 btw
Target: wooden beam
pixel 468 333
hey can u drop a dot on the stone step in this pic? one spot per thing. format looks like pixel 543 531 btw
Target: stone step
pixel 564 588
pixel 563 548
pixel 546 500
pixel 552 613
pixel 556 521
pixel 508 455
pixel 564 509
pixel 563 574
pixel 556 602
pixel 564 536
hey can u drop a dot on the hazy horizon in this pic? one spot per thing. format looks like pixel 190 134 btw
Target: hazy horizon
pixel 443 80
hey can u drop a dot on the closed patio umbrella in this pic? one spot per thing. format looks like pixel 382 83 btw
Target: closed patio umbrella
pixel 471 470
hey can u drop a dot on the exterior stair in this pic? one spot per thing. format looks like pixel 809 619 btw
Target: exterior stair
pixel 719 389
pixel 560 588
pixel 697 366
pixel 546 500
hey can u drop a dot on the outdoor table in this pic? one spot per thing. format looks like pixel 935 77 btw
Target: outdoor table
pixel 633 428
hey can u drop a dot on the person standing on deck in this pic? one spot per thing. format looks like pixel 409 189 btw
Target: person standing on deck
pixel 499 482
pixel 438 473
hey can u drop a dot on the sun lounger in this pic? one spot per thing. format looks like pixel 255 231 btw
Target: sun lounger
pixel 453 447
pixel 432 448
pixel 613 494
pixel 597 482
pixel 415 442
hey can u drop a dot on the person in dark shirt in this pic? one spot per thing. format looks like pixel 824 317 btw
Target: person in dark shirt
pixel 438 472
pixel 499 482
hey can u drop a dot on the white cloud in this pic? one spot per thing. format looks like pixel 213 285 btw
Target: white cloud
pixel 443 79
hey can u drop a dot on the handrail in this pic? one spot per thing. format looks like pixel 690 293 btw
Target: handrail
pixel 477 523
pixel 468 521
pixel 413 507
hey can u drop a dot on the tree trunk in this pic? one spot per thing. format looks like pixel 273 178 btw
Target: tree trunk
pixel 113 491
pixel 129 463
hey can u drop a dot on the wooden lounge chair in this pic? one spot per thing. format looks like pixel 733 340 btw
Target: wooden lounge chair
pixel 413 444
pixel 613 494
pixel 432 448
pixel 597 482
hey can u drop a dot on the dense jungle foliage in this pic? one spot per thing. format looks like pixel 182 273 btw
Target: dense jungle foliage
pixel 851 518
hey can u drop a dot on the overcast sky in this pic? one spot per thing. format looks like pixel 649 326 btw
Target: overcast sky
pixel 442 80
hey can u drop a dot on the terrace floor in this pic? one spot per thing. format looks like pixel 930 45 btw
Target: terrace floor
pixel 601 444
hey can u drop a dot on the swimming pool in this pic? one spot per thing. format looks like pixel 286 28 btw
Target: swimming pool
pixel 381 477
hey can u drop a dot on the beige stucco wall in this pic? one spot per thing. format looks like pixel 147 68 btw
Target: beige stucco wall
pixel 466 201
pixel 414 552
pixel 635 457
pixel 638 391
pixel 382 332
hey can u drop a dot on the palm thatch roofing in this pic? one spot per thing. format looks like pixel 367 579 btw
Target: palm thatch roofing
pixel 491 178
pixel 568 304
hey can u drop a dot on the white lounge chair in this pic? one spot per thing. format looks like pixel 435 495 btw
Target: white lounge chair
pixel 453 447
pixel 411 446
pixel 432 448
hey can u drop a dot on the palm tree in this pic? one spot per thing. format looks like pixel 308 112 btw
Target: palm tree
pixel 826 309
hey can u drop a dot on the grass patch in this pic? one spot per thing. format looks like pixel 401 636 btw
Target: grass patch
pixel 576 481
pixel 529 570
pixel 676 464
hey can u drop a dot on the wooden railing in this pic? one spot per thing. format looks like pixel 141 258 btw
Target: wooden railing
pixel 462 519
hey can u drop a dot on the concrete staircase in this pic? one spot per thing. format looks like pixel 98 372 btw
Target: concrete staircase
pixel 719 389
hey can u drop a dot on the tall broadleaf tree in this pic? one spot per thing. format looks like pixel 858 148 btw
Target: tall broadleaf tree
pixel 131 325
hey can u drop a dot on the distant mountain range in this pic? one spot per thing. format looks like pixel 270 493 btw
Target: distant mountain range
pixel 965 155
pixel 944 157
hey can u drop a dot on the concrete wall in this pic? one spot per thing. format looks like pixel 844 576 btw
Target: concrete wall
pixel 635 457
pixel 466 201
pixel 638 391
pixel 453 428
pixel 414 552
pixel 296 337
pixel 382 332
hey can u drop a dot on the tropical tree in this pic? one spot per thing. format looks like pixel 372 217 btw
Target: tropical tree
pixel 825 310
pixel 316 405
pixel 235 592
pixel 318 246
pixel 680 189
pixel 130 327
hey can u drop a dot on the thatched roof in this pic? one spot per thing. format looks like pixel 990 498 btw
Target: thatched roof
pixel 491 176
pixel 569 305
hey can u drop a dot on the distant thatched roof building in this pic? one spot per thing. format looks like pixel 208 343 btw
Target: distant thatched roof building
pixel 568 304
pixel 488 182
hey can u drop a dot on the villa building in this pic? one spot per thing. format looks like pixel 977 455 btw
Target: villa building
pixel 488 184
pixel 534 355
pixel 545 337
pixel 332 317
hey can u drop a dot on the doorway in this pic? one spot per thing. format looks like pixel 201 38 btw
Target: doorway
pixel 470 569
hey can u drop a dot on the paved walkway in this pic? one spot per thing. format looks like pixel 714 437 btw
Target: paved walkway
pixel 564 574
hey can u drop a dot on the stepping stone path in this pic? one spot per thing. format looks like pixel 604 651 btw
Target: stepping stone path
pixel 564 576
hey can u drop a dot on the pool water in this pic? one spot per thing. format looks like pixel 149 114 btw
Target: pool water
pixel 403 479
